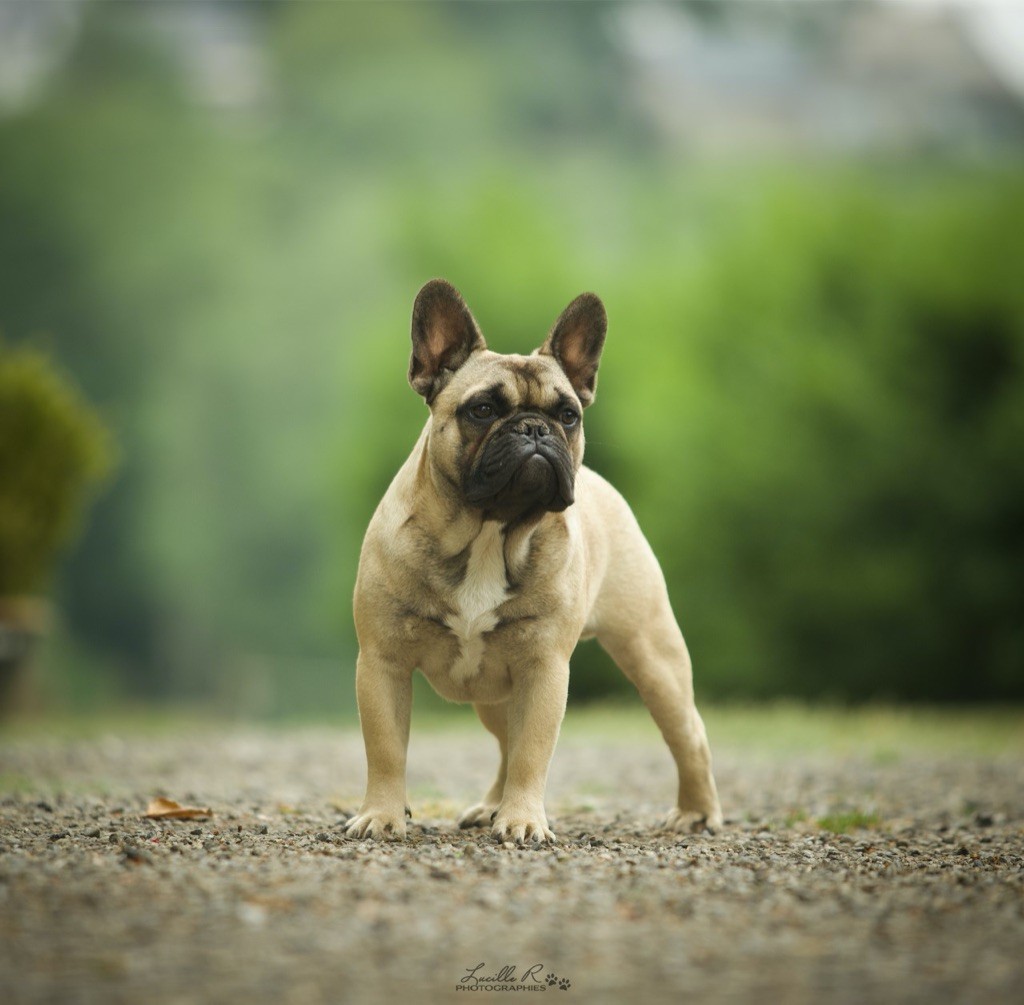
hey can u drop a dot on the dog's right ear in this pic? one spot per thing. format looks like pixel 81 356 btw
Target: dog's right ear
pixel 444 333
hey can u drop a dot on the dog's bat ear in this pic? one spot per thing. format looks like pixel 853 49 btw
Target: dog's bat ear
pixel 444 333
pixel 576 341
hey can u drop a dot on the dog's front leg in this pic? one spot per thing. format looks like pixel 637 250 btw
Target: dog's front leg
pixel 535 712
pixel 384 694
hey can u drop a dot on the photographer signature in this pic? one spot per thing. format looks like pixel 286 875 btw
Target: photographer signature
pixel 533 976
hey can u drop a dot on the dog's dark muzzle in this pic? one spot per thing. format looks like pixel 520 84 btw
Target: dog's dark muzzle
pixel 524 466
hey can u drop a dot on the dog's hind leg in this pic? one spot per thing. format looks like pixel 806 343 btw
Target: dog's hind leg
pixel 651 652
pixel 495 718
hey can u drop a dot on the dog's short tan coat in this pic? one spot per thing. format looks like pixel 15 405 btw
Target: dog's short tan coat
pixel 489 598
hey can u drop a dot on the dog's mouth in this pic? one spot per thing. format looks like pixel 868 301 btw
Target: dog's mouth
pixel 523 468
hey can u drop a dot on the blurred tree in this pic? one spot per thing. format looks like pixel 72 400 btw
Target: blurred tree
pixel 53 449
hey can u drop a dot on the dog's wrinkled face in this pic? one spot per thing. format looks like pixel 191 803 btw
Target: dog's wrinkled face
pixel 506 430
pixel 512 427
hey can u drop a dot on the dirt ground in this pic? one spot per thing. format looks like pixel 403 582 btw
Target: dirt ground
pixel 839 877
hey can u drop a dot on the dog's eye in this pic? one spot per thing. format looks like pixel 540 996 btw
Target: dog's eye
pixel 569 417
pixel 482 412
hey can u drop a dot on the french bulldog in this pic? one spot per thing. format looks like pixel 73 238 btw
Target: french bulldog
pixel 493 552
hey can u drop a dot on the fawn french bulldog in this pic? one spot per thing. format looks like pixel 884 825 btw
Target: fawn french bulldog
pixel 493 552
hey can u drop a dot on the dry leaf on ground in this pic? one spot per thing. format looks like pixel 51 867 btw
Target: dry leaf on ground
pixel 169 809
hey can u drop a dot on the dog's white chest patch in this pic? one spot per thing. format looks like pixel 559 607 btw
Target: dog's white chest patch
pixel 483 589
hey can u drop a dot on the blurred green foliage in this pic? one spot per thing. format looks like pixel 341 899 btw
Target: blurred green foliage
pixel 811 392
pixel 817 422
pixel 53 451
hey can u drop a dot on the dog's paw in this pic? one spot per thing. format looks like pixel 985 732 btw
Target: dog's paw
pixel 480 815
pixel 378 824
pixel 693 821
pixel 522 828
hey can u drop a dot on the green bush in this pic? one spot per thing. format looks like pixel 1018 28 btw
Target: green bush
pixel 53 451
pixel 827 454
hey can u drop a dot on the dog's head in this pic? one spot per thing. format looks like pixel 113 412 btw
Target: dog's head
pixel 506 431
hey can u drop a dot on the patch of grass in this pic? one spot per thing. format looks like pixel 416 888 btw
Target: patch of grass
pixel 50 786
pixel 426 790
pixel 125 720
pixel 444 809
pixel 594 788
pixel 794 817
pixel 884 757
pixel 849 820
pixel 11 784
pixel 883 734
pixel 579 806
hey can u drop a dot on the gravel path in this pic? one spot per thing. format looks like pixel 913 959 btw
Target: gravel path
pixel 269 902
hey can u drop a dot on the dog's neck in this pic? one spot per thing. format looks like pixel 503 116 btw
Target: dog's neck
pixel 449 522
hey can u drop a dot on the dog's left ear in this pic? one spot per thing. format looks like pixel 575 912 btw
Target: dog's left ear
pixel 576 342
pixel 444 333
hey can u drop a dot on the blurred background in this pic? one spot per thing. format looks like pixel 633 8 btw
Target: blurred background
pixel 807 224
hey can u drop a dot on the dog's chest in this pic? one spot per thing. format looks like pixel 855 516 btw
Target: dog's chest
pixel 475 601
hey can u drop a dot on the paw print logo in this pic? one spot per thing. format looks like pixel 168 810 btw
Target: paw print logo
pixel 552 980
pixel 565 984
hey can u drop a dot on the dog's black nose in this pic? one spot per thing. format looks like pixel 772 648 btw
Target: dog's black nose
pixel 533 426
